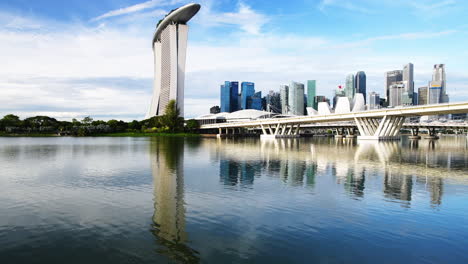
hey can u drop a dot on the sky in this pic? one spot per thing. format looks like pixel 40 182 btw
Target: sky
pixel 76 58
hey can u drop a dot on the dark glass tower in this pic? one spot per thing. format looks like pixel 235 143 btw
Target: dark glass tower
pixel 360 83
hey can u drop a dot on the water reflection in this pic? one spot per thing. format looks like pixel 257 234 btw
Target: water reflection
pixel 296 162
pixel 167 158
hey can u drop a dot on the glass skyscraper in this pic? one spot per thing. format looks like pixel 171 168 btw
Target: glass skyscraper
pixel 311 92
pixel 360 84
pixel 284 94
pixel 350 88
pixel 296 98
pixel 255 101
pixel 229 97
pixel 247 90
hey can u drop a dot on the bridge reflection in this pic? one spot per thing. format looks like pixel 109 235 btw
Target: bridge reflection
pixel 407 167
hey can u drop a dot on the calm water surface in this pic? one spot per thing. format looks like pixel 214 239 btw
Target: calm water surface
pixel 175 200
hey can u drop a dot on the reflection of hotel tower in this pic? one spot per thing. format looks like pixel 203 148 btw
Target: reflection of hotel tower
pixel 169 214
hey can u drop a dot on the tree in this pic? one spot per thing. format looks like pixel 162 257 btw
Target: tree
pixel 87 120
pixel 10 121
pixel 192 125
pixel 171 118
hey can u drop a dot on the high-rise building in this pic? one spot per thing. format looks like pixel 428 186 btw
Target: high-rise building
pixel 296 98
pixel 169 48
pixel 284 93
pixel 374 100
pixel 229 97
pixel 397 90
pixel 422 95
pixel 392 77
pixel 255 101
pixel 273 102
pixel 360 83
pixel 437 87
pixel 408 77
pixel 350 89
pixel 311 92
pixel 247 90
pixel 339 92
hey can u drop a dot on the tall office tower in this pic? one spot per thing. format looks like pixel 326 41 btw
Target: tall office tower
pixel 374 100
pixel 397 92
pixel 350 89
pixel 284 93
pixel 360 83
pixel 311 92
pixel 296 98
pixel 255 101
pixel 229 97
pixel 339 92
pixel 408 78
pixel 247 90
pixel 169 47
pixel 438 83
pixel 422 95
pixel 273 102
pixel 392 77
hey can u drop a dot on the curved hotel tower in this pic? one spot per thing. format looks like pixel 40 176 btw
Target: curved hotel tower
pixel 169 48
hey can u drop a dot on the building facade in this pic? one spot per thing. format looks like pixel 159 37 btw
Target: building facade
pixel 374 100
pixel 311 92
pixel 360 84
pixel 169 49
pixel 437 87
pixel 284 93
pixel 422 95
pixel 229 97
pixel 350 89
pixel 296 98
pixel 247 91
pixel 392 77
pixel 273 102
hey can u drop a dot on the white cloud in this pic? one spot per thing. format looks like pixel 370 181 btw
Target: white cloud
pixel 135 8
pixel 69 72
pixel 245 17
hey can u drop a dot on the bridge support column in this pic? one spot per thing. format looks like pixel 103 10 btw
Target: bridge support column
pixel 387 128
pixel 281 131
pixel 432 134
pixel 414 134
pixel 351 132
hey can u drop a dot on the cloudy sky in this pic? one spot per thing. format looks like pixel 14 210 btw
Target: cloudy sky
pixel 74 58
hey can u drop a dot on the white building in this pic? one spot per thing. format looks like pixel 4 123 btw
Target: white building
pixel 169 48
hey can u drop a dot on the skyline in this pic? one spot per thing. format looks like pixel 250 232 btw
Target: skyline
pixel 95 59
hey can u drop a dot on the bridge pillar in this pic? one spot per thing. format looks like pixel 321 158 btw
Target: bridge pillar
pixel 281 131
pixel 432 133
pixel 386 128
pixel 414 134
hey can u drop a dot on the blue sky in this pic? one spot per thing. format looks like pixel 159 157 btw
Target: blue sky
pixel 75 58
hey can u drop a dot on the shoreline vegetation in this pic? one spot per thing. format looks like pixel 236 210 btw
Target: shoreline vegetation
pixel 169 124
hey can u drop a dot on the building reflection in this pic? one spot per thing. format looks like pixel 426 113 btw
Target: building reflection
pixel 397 186
pixel 167 157
pixel 297 162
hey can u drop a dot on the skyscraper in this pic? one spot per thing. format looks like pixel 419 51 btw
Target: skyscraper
pixel 311 92
pixel 374 100
pixel 273 102
pixel 422 95
pixel 247 90
pixel 255 101
pixel 397 92
pixel 350 88
pixel 284 93
pixel 437 87
pixel 392 77
pixel 296 98
pixel 229 97
pixel 360 83
pixel 169 47
pixel 408 80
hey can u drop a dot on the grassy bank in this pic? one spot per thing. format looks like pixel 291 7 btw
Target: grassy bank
pixel 122 134
pixel 3 134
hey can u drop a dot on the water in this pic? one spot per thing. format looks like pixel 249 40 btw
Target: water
pixel 175 200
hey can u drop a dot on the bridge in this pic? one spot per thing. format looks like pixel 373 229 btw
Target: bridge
pixel 379 124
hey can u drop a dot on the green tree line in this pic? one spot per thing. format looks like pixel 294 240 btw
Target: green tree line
pixel 170 122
